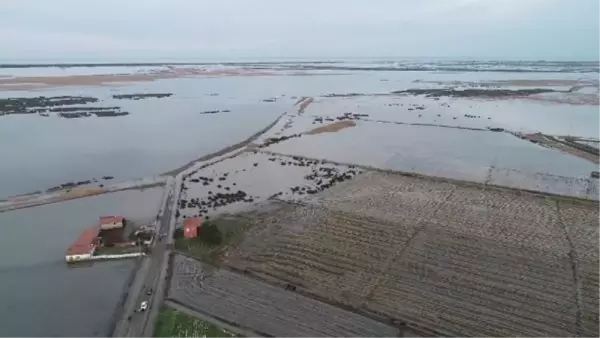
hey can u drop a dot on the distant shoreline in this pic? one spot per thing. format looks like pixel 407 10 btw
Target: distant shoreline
pixel 359 64
pixel 134 64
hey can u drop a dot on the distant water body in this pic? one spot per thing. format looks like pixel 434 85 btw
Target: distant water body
pixel 411 64
pixel 162 134
pixel 41 296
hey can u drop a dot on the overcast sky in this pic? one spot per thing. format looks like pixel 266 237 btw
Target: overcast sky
pixel 153 30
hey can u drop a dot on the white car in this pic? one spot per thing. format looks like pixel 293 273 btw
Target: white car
pixel 144 306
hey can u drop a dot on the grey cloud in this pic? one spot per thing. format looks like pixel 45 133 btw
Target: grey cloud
pixel 111 30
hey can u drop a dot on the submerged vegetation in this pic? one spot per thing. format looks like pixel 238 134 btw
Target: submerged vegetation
pixel 474 92
pixel 141 96
pixel 68 107
pixel 40 104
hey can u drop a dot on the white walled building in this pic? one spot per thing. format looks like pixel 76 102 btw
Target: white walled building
pixel 111 222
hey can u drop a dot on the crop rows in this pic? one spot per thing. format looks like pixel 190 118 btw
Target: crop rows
pixel 386 197
pixel 582 224
pixel 588 280
pixel 262 307
pixel 331 252
pixel 470 286
pixel 505 216
pixel 581 221
pixel 458 259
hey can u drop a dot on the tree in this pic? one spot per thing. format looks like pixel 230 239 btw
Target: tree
pixel 211 234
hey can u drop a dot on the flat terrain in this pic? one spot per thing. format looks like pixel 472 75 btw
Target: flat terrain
pixel 236 184
pixel 337 249
pixel 173 323
pixel 450 258
pixel 267 309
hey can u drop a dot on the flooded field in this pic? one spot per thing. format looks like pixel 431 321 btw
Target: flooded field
pixel 521 115
pixel 158 135
pixel 237 184
pixel 131 137
pixel 403 147
pixel 338 125
pixel 64 300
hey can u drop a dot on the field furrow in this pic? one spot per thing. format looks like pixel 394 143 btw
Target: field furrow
pixel 453 259
pixel 265 308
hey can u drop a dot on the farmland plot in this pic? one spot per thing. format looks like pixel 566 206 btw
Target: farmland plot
pixel 450 257
pixel 264 308
pixel 172 323
pixel 581 222
pixel 334 254
pixel 470 286
pixel 237 184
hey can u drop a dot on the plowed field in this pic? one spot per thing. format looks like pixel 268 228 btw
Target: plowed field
pixel 266 309
pixel 453 258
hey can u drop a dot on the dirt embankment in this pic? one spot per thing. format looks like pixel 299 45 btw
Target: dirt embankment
pixel 36 199
pixel 40 82
pixel 513 82
pixel 332 127
pixel 303 104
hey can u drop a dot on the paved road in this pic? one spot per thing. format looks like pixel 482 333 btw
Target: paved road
pixel 152 269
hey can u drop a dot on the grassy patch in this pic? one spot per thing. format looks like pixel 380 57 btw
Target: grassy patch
pixel 204 247
pixel 173 323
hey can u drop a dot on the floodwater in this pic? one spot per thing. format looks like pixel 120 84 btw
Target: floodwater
pixel 433 150
pixel 159 134
pixel 449 153
pixel 40 294
pixel 163 134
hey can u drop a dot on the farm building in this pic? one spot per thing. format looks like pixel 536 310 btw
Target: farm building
pixel 111 222
pixel 85 246
pixel 191 226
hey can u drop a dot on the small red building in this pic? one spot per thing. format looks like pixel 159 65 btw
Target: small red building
pixel 191 227
pixel 84 247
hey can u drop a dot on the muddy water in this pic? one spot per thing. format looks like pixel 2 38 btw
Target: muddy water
pixel 39 293
pixel 159 134
pixel 445 152
pixel 162 134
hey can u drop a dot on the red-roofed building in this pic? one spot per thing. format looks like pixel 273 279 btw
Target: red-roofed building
pixel 85 246
pixel 191 227
pixel 111 222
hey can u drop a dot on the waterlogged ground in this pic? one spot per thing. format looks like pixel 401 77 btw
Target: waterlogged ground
pixel 161 134
pixel 430 150
pixel 442 136
pixel 523 115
